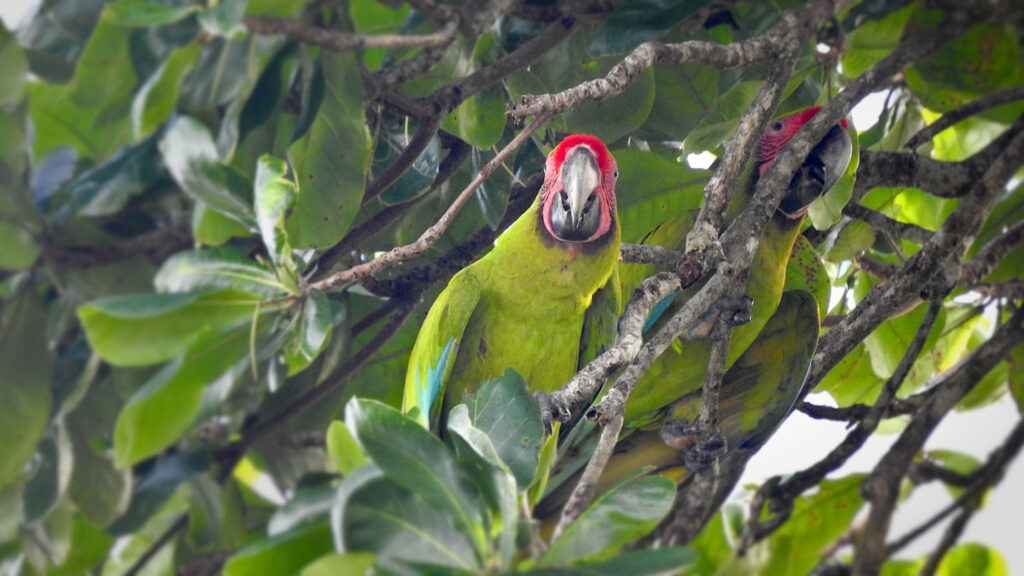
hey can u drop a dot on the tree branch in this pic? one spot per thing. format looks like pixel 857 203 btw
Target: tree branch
pixel 976 106
pixel 341 41
pixel 432 234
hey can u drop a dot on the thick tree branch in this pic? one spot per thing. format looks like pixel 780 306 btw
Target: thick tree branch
pixel 986 260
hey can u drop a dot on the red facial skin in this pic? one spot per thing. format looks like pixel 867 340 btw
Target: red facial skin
pixel 605 190
pixel 782 131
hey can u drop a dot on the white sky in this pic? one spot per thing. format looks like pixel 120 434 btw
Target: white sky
pixel 802 441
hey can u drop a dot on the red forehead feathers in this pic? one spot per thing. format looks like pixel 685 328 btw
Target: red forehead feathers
pixel 604 158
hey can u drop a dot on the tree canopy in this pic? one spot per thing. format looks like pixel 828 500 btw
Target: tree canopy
pixel 222 222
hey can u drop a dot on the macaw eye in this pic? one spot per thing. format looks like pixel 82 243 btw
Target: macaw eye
pixel 616 175
pixel 776 126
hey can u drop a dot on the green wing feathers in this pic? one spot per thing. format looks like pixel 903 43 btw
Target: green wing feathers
pixel 437 345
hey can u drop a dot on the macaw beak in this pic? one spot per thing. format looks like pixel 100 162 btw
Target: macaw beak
pixel 576 213
pixel 819 173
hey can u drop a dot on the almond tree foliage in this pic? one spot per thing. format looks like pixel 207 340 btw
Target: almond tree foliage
pixel 212 272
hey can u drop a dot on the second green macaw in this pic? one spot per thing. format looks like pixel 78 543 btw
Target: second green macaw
pixel 680 370
pixel 543 299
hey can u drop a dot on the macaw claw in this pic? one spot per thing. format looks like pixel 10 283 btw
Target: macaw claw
pixel 699 449
pixel 551 410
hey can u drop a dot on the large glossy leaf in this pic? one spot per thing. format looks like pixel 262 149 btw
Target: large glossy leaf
pixel 100 491
pixel 651 562
pixel 225 19
pixel 157 97
pixel 19 221
pixel 872 41
pixel 166 407
pixel 311 503
pixel 285 553
pixel 374 514
pixel 639 21
pixel 104 77
pixel 332 159
pixel 211 228
pixel 617 518
pixel 418 461
pixel 695 84
pixel 504 410
pixel 216 268
pixel 220 72
pixel 25 372
pixel 191 156
pixel 53 37
pixel 58 122
pixel 89 548
pixel 853 381
pixel 343 450
pixel 143 329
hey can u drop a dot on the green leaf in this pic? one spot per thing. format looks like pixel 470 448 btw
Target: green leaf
pixel 104 77
pixel 152 492
pixel 374 514
pixel 191 156
pixel 89 548
pixel 310 503
pixel 222 71
pixel 144 13
pixel 693 83
pixel 52 472
pixel 143 329
pixel 349 564
pixel 273 197
pixel 853 381
pixel 158 96
pixel 13 69
pixel 19 220
pixel 332 159
pixel 506 412
pixel 651 562
pixel 100 491
pixel 108 187
pixel 872 41
pixel 650 186
pixel 479 459
pixel 211 228
pixel 314 332
pixel 205 514
pixel 617 518
pixel 216 268
pixel 225 18
pixel 418 461
pixel 166 407
pixel 480 119
pixel 58 122
pixel 392 139
pixel 854 237
pixel 285 553
pixel 957 462
pixel 974 559
pixel 640 21
pixel 817 521
pixel 25 390
pixel 343 450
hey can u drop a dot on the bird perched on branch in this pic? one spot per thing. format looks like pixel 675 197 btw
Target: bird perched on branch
pixel 545 296
pixel 679 370
pixel 768 356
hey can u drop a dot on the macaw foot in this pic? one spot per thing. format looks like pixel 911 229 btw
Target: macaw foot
pixel 699 449
pixel 551 410
pixel 730 311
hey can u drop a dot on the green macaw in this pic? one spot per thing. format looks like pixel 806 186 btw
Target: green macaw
pixel 679 371
pixel 541 300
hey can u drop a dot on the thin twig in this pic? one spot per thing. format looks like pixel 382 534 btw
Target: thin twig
pixel 432 234
pixel 894 228
pixel 342 41
pixel 586 487
pixel 976 106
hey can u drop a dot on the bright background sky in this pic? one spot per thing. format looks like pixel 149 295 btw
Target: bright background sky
pixel 802 441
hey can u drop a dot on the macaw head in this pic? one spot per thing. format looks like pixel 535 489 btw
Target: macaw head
pixel 578 196
pixel 820 171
